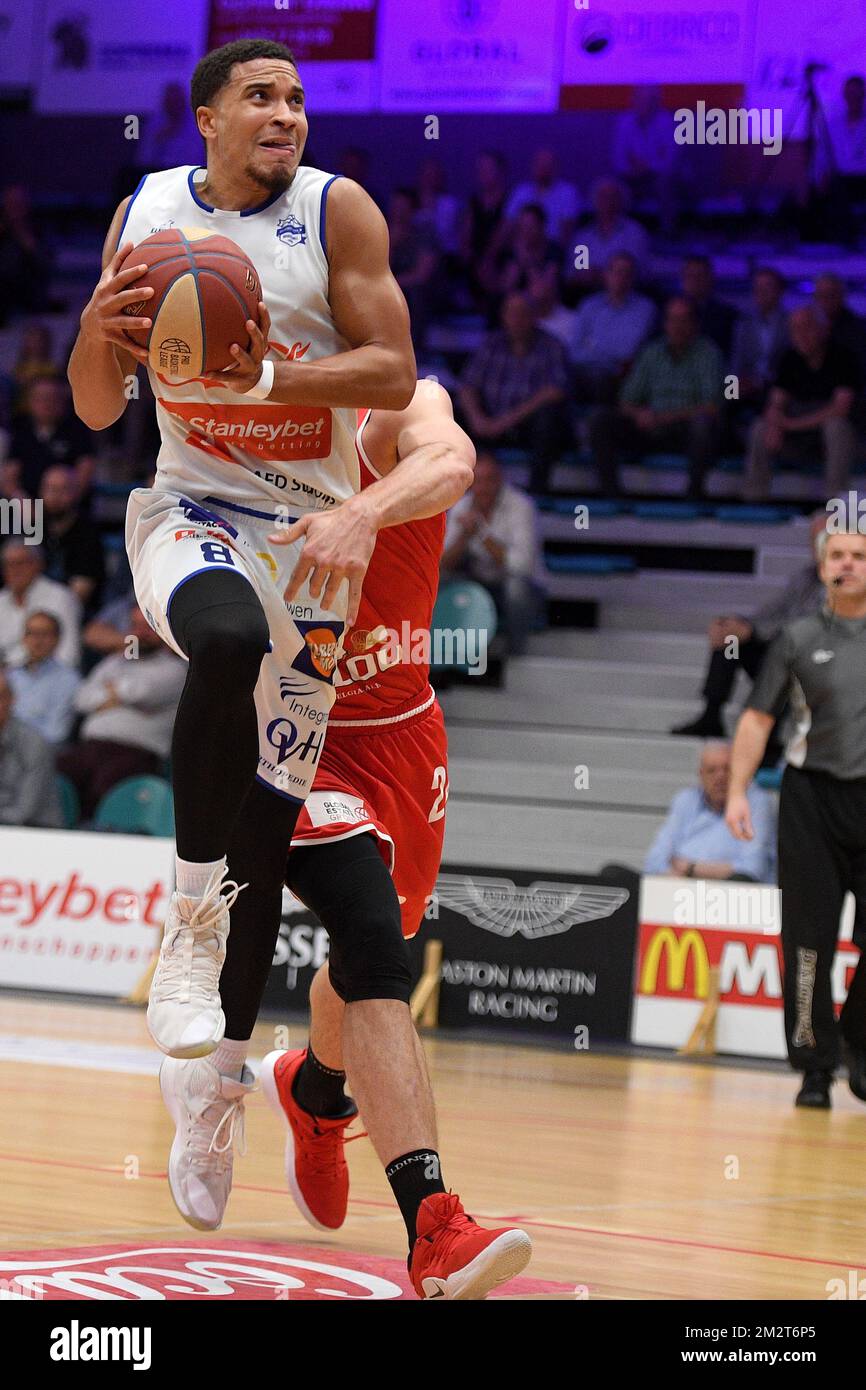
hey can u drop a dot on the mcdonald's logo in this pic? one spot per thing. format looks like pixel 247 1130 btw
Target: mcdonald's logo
pixel 677 951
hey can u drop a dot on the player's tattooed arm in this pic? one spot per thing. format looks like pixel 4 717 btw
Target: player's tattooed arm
pixel 103 359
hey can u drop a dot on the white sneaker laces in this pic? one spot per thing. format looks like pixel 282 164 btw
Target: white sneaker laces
pixel 191 958
pixel 229 1128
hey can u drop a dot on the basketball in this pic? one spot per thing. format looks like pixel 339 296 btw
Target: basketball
pixel 205 289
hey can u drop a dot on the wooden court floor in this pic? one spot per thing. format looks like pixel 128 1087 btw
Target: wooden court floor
pixel 635 1178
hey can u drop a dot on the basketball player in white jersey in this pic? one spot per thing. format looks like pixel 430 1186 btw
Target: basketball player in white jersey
pixel 274 436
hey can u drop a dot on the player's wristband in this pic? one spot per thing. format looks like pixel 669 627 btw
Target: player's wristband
pixel 264 385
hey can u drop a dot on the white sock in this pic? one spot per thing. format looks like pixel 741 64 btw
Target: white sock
pixel 192 879
pixel 229 1057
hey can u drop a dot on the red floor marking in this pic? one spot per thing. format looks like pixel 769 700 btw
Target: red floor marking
pixel 226 1269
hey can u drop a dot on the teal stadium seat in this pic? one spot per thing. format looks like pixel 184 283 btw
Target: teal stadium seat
pixel 137 806
pixel 461 605
pixel 70 806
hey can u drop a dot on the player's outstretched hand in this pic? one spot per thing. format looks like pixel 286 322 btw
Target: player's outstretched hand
pixel 338 545
pixel 246 369
pixel 738 818
pixel 103 317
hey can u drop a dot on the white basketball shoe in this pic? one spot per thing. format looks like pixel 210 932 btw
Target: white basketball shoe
pixel 184 1015
pixel 208 1112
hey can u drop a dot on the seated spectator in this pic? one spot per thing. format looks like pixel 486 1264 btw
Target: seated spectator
pixel 28 786
pixel 438 211
pixel 802 595
pixel 530 256
pixel 129 706
pixel 23 270
pixel 492 537
pixel 558 197
pixel 608 331
pixel 108 630
pixel 354 163
pixel 809 409
pixel 669 400
pixel 47 433
pixel 483 224
pixel 760 337
pixel 846 328
pixel 73 550
pixel 695 842
pixel 550 313
pixel 35 358
pixel 414 257
pixel 43 687
pixel 26 589
pixel 514 389
pixel 643 153
pixel 171 135
pixel 608 233
pixel 716 319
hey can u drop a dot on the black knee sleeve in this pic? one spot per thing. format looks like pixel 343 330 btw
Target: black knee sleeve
pixel 218 621
pixel 352 893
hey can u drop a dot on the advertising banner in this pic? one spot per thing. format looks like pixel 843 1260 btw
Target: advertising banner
pixel 685 929
pixel 96 57
pixel 79 911
pixel 470 55
pixel 521 954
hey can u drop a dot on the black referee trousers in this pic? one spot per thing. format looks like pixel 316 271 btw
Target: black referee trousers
pixel 822 854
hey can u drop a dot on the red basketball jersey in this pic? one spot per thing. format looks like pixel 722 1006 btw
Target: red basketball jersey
pixel 385 669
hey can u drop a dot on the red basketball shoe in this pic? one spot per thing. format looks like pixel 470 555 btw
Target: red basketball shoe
pixel 316 1168
pixel 454 1257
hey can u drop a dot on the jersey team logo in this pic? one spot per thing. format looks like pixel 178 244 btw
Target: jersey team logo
pixel 318 656
pixel 291 232
pixel 539 909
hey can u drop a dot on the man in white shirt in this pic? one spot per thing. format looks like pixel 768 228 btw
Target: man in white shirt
pixel 608 233
pixel 492 537
pixel 26 589
pixel 130 700
pixel 558 197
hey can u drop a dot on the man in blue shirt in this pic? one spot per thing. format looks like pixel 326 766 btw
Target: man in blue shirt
pixel 695 842
pixel 608 330
pixel 43 688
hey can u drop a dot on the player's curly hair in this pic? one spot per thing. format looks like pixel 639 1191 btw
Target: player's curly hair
pixel 214 70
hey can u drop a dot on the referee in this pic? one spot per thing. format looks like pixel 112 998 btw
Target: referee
pixel 821 662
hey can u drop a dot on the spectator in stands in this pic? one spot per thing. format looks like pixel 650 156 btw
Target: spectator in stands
pixel 808 410
pixel 558 197
pixel 801 596
pixel 28 786
pixel 129 706
pixel 643 153
pixel 513 391
pixel 846 328
pixel 35 358
pixel 414 258
pixel 354 163
pixel 760 337
pixel 550 313
pixel 529 257
pixel 492 537
pixel 695 842
pixel 438 211
pixel 171 136
pixel 606 234
pixel 22 260
pixel 73 551
pixel 716 319
pixel 847 130
pixel 47 433
pixel 609 329
pixel 669 400
pixel 26 590
pixel 483 224
pixel 43 687
pixel 108 631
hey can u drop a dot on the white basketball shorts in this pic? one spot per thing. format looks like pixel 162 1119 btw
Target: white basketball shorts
pixel 171 538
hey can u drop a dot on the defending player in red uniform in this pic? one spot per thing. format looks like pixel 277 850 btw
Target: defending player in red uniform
pixel 378 805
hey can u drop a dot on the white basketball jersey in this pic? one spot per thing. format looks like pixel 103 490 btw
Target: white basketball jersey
pixel 219 443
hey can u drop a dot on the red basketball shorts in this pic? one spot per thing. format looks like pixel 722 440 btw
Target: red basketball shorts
pixel 390 780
